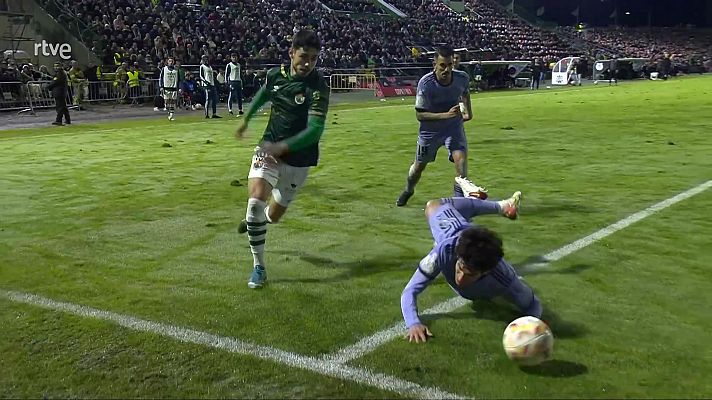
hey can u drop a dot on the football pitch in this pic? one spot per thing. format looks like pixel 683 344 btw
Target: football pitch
pixel 122 273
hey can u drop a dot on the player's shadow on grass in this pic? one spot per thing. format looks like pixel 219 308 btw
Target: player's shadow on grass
pixel 501 311
pixel 351 269
pixel 557 369
pixel 554 207
pixel 536 265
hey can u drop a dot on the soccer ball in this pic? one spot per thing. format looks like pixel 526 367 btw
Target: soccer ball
pixel 528 341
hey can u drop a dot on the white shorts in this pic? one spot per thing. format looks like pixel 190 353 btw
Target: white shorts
pixel 285 179
pixel 170 94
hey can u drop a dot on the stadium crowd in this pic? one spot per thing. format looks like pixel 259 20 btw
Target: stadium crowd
pixel 512 38
pixel 142 33
pixel 260 30
pixel 668 50
pixel 354 6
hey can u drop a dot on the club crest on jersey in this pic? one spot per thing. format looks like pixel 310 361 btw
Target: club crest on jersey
pixel 299 99
pixel 429 263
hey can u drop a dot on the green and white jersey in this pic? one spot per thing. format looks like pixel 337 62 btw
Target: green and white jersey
pixel 169 78
pixel 207 76
pixel 293 100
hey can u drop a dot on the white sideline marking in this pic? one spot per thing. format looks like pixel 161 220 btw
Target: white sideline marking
pixel 613 228
pixel 370 343
pixel 233 345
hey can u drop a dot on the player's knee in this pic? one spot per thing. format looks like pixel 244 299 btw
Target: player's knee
pixel 418 167
pixel 459 156
pixel 258 189
pixel 431 207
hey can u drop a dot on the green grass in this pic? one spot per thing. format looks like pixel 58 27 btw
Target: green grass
pixel 104 216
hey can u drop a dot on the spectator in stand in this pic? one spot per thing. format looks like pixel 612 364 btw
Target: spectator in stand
pixel 188 90
pixel 44 74
pixel 121 81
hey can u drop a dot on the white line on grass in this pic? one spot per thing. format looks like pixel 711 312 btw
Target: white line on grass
pixel 233 345
pixel 370 343
pixel 611 229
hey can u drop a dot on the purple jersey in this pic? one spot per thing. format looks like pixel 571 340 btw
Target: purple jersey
pixel 433 97
pixel 446 224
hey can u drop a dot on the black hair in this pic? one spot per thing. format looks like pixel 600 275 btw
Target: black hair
pixel 444 52
pixel 306 39
pixel 479 248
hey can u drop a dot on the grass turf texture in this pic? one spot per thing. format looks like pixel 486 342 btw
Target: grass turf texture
pixel 105 216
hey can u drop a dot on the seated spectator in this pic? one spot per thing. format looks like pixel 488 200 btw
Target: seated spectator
pixel 188 88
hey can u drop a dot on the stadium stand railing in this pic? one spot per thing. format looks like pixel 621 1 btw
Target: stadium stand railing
pixel 34 95
pixel 14 96
pixel 349 82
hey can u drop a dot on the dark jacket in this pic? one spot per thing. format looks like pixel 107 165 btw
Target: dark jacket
pixel 58 86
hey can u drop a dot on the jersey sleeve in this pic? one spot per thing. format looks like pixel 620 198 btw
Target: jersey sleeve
pixel 465 84
pixel 422 102
pixel 429 265
pixel 319 99
pixel 524 298
pixel 428 269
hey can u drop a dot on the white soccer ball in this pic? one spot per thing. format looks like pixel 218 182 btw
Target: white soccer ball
pixel 528 341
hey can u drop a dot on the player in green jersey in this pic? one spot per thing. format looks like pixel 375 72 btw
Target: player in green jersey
pixel 290 144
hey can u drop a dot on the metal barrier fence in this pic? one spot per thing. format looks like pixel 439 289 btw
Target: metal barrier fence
pixel 348 82
pixel 34 95
pixel 13 96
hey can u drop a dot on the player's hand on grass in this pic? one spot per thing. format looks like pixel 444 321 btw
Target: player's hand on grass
pixel 418 333
pixel 241 129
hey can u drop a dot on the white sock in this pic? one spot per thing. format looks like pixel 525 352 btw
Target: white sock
pixel 269 220
pixel 256 229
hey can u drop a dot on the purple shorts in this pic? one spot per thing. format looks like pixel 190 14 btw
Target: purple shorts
pixel 430 143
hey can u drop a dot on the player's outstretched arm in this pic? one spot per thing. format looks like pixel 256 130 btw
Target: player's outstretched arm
pixel 417 332
pixel 524 298
pixel 260 99
pixel 309 136
pixel 303 139
pixel 467 113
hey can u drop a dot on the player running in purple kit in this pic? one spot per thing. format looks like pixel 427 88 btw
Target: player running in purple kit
pixel 441 116
pixel 470 258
